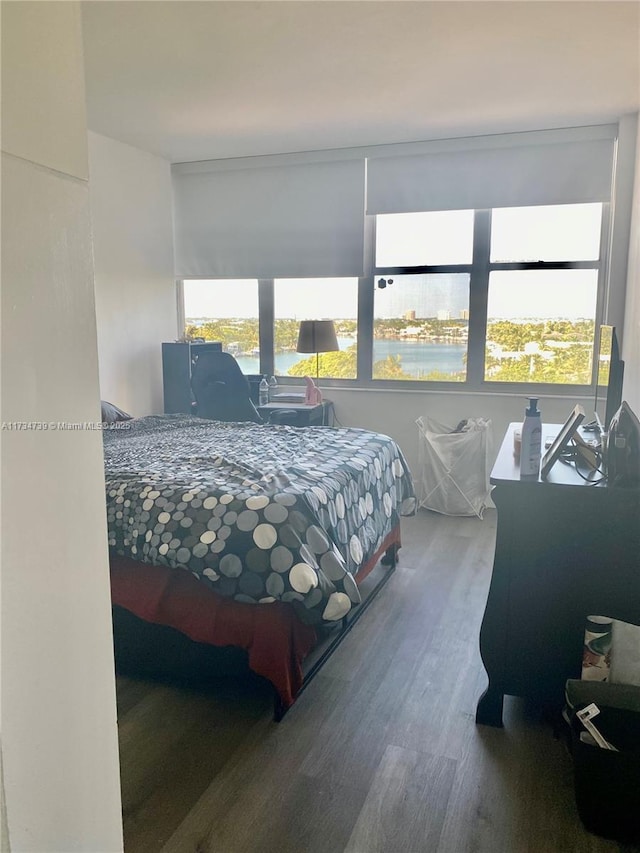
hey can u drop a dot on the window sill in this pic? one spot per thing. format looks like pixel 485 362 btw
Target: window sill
pixel 455 389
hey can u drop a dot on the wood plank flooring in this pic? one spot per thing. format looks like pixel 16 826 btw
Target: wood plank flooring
pixel 380 754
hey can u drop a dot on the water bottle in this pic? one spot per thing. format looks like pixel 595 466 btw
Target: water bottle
pixel 273 389
pixel 263 394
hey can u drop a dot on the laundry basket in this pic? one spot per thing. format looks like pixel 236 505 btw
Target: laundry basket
pixel 454 466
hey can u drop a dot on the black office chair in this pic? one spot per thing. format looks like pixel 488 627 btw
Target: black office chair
pixel 221 389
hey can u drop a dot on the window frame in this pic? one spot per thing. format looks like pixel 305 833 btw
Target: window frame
pixel 479 271
pixel 298 380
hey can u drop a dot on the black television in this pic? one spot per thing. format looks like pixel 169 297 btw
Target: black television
pixel 609 377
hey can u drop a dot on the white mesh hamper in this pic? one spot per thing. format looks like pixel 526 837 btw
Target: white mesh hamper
pixel 454 466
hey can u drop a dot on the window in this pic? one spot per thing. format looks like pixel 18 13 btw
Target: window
pixel 420 327
pixel 480 298
pixel 535 269
pixel 316 299
pixel 541 315
pixel 541 326
pixel 568 232
pixel 225 311
pixel 421 319
pixel 420 239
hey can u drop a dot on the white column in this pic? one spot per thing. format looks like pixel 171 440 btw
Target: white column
pixel 59 731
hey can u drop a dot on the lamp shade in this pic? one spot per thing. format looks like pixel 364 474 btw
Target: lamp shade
pixel 317 336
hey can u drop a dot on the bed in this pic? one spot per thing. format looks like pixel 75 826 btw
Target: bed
pixel 249 535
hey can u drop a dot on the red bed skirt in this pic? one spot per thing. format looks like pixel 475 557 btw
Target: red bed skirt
pixel 275 639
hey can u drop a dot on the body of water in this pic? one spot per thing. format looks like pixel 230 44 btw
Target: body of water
pixel 421 357
pixel 417 357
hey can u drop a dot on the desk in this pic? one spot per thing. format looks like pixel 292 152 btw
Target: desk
pixel 320 414
pixel 564 550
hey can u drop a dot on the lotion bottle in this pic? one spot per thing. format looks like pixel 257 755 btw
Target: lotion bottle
pixel 530 451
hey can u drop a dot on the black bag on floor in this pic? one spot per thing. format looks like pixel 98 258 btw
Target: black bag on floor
pixel 607 783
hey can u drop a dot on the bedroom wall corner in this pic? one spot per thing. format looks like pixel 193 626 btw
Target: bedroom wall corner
pixel 59 727
pixel 131 213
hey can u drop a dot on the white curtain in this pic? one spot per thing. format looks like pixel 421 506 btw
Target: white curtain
pixel 507 171
pixel 300 220
pixel 303 216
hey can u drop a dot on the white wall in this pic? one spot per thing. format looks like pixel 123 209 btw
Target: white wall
pixel 631 341
pixel 130 194
pixel 59 732
pixel 395 412
pixel 4 827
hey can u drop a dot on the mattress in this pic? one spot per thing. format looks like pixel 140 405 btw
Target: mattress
pixel 259 513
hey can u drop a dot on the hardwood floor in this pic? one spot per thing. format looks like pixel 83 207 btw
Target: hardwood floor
pixel 380 754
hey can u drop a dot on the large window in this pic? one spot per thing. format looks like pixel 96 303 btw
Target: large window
pixel 506 295
pixel 563 232
pixel 543 289
pixel 478 298
pixel 420 327
pixel 421 239
pixel 316 299
pixel 541 326
pixel 225 311
pixel 421 319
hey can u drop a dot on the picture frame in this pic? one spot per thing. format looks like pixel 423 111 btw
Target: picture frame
pixel 561 440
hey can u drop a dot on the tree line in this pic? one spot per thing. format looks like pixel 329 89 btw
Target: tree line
pixel 550 351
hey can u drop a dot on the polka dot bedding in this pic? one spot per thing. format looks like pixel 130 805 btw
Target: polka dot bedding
pixel 262 513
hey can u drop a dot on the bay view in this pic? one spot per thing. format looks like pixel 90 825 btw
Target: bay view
pixel 417 358
pixel 552 350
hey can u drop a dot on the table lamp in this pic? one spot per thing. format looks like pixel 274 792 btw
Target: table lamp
pixel 317 336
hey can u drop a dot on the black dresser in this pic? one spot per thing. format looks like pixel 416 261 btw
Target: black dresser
pixel 565 549
pixel 177 363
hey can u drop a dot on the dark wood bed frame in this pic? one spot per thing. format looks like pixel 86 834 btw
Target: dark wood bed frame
pixel 326 648
pixel 143 649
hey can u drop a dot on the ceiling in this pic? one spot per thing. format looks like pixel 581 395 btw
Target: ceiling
pixel 202 80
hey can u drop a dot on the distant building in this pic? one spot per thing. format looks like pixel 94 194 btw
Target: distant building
pixel 409 315
pixel 464 314
pixel 444 315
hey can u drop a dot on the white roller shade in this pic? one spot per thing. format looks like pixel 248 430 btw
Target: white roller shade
pixel 508 176
pixel 299 220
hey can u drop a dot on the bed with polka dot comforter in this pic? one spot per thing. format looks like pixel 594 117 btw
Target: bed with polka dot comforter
pixel 263 513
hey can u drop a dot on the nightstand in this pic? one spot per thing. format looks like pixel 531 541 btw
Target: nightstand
pixel 319 415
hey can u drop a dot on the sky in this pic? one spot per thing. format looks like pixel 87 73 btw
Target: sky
pixel 512 295
pixel 564 293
